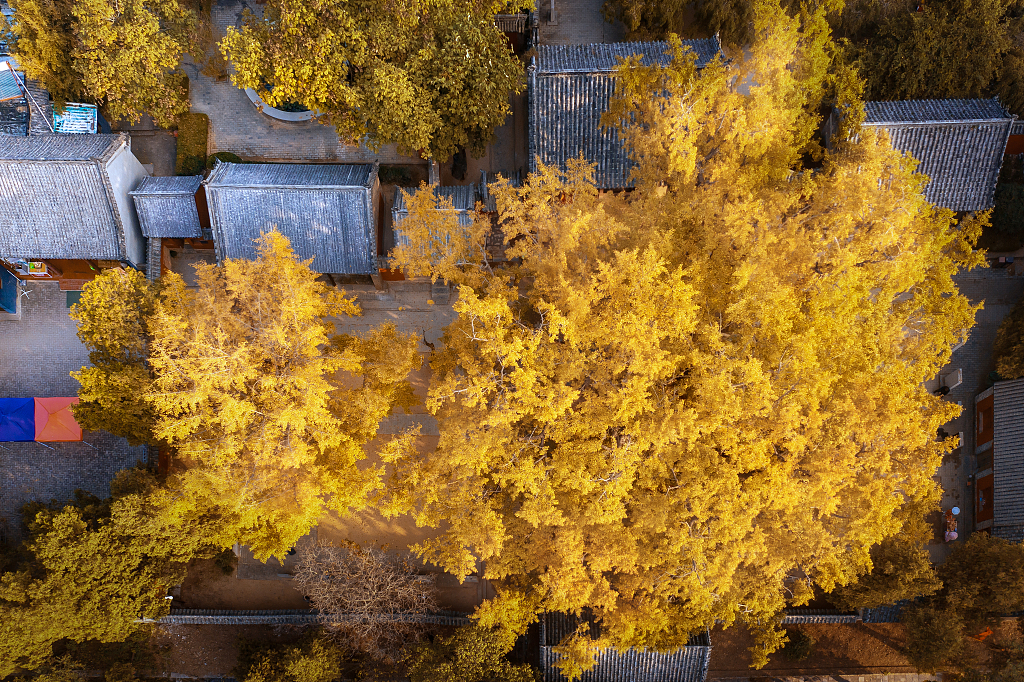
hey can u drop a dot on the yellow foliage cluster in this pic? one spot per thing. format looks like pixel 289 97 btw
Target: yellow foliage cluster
pixel 245 396
pixel 124 54
pixel 430 76
pixel 695 401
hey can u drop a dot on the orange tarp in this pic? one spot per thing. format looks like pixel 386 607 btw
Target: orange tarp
pixel 54 421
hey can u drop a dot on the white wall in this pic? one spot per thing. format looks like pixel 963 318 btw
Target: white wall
pixel 125 173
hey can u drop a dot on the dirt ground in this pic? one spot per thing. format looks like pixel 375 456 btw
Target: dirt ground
pixel 211 650
pixel 207 587
pixel 839 649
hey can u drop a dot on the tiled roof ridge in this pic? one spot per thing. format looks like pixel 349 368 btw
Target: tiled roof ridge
pixel 168 185
pixel 935 111
pixel 602 57
pixel 224 168
pixel 115 141
pixel 457 193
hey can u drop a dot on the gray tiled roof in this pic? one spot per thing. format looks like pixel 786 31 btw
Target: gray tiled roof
pixel 960 144
pixel 1012 533
pixel 57 197
pixel 9 86
pixel 293 175
pixel 570 86
pixel 934 111
pixel 463 198
pixel 167 206
pixel 605 57
pixel 60 148
pixel 325 210
pixel 1008 455
pixel 685 664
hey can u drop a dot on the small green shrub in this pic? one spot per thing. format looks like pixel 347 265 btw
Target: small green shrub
pixel 799 647
pixel 226 561
pixel 395 175
pixel 193 133
pixel 226 157
pixel 934 638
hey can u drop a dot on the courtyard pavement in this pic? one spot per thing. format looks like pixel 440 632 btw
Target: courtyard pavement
pixel 998 290
pixel 577 22
pixel 37 354
pixel 154 147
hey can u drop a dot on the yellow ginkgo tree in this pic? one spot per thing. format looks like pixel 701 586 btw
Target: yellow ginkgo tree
pixel 125 55
pixel 703 399
pixel 430 76
pixel 248 397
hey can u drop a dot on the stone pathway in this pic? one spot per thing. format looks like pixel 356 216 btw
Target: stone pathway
pixel 38 352
pixel 53 471
pixel 577 22
pixel 36 355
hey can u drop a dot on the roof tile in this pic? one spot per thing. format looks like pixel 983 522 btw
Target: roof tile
pixel 325 210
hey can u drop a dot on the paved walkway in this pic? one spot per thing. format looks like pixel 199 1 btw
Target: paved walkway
pixel 236 126
pixel 37 353
pixel 999 291
pixel 53 471
pixel 152 146
pixel 578 22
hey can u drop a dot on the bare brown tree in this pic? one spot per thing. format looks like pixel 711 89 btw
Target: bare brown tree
pixel 368 599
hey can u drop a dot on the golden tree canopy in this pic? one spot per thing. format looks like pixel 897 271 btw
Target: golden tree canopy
pixel 124 54
pixel 246 391
pixel 427 75
pixel 700 399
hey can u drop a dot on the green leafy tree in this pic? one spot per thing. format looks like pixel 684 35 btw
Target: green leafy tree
pixel 984 576
pixel 91 569
pixel 428 76
pixel 935 639
pixel 900 569
pixel 953 48
pixel 120 672
pixel 246 394
pixel 61 669
pixel 732 20
pixel 123 54
pixel 983 579
pixel 1008 349
pixel 112 316
pixel 672 400
pixel 314 660
pixel 472 654
pixel 1008 213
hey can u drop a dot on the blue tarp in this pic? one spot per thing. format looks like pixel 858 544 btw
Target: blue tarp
pixel 17 419
pixel 76 118
pixel 8 292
